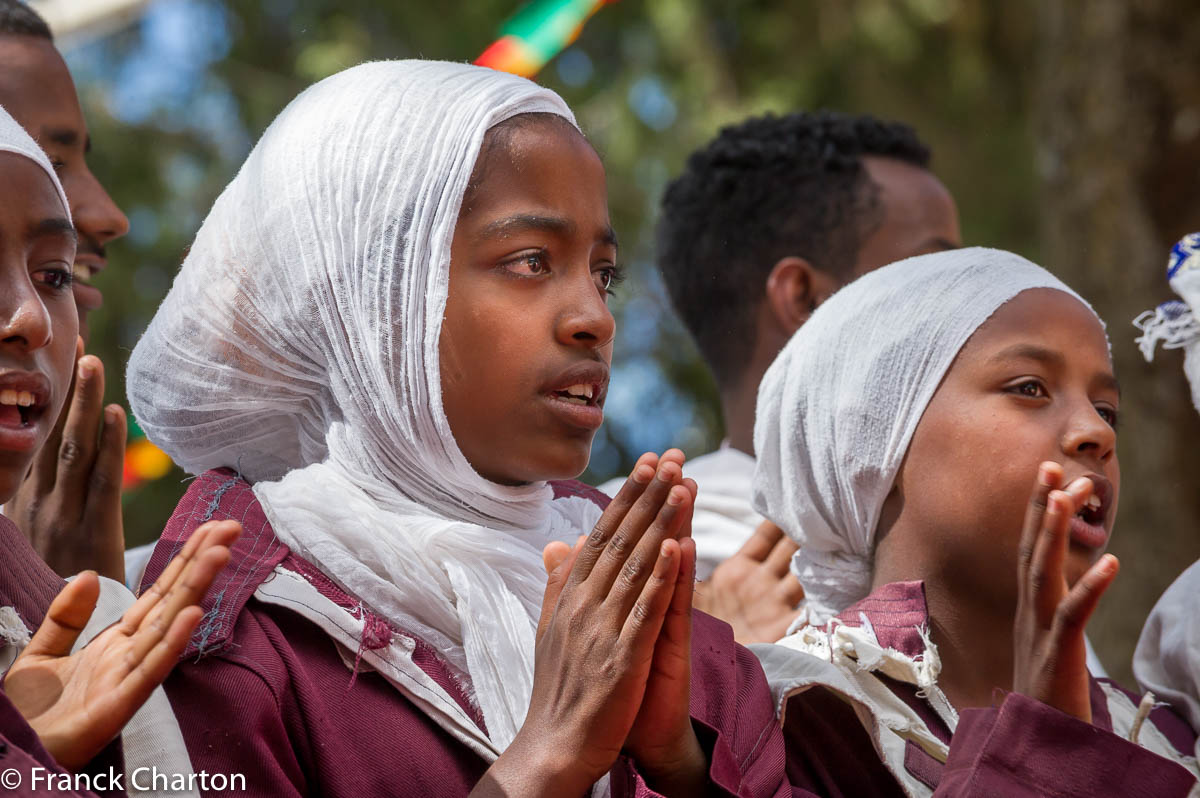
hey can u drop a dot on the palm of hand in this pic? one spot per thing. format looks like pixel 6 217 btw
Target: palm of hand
pixel 73 702
pixel 753 591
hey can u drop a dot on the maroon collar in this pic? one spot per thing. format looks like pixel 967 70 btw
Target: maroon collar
pixel 895 611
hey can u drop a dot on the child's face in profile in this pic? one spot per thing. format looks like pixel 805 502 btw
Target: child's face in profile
pixel 38 322
pixel 527 335
pixel 1034 383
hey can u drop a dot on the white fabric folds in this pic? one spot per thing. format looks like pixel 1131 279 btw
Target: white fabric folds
pixel 839 406
pixel 299 345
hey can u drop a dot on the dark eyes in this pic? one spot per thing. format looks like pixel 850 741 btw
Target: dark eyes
pixel 529 264
pixel 1109 414
pixel 57 279
pixel 1035 389
pixel 536 264
pixel 1031 388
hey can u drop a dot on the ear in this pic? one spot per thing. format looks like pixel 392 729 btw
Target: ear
pixel 794 290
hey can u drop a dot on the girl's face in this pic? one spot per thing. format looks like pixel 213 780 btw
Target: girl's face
pixel 527 336
pixel 1034 383
pixel 38 322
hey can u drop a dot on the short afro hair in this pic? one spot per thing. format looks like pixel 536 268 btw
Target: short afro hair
pixel 762 190
pixel 18 19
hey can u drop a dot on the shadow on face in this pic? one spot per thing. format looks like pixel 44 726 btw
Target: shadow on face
pixel 38 321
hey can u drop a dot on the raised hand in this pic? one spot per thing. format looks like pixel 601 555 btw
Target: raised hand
pixel 77 703
pixel 1050 656
pixel 754 591
pixel 602 615
pixel 69 506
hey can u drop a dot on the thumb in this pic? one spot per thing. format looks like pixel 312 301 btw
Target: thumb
pixel 554 554
pixel 558 566
pixel 68 614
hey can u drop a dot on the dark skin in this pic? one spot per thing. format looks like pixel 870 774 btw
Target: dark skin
pixel 532 257
pixel 69 507
pixel 77 703
pixel 1029 403
pixel 38 324
pixel 751 590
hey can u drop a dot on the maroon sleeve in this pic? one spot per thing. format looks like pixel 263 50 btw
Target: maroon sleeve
pixel 28 769
pixel 734 718
pixel 1025 748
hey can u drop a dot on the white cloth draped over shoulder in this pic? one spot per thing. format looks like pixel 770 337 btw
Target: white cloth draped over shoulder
pixel 1167 658
pixel 299 345
pixel 838 407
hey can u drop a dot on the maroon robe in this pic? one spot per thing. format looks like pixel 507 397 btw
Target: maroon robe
pixel 264 692
pixel 1019 747
pixel 28 585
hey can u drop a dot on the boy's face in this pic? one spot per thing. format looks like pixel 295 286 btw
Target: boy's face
pixel 1034 383
pixel 38 321
pixel 36 88
pixel 527 322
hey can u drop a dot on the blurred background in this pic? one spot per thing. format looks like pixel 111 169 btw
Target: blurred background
pixel 1072 139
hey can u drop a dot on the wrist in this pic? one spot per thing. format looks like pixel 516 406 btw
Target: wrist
pixel 536 768
pixel 679 769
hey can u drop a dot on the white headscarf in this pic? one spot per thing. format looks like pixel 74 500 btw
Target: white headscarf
pixel 299 344
pixel 15 139
pixel 839 406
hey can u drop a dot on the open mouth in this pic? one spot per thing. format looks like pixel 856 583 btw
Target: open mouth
pixel 18 408
pixel 1092 511
pixel 1088 524
pixel 580 394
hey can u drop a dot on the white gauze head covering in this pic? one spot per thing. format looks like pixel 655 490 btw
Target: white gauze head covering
pixel 299 344
pixel 15 139
pixel 839 406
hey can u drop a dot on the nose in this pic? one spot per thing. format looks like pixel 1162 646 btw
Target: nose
pixel 24 320
pixel 95 214
pixel 1088 435
pixel 585 319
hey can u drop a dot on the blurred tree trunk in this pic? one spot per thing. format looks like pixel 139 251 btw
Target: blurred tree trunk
pixel 1117 122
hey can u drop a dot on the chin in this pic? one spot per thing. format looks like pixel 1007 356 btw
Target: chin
pixel 565 461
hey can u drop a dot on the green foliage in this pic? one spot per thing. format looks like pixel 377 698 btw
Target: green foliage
pixel 649 83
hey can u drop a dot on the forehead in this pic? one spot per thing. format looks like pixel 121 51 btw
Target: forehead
pixel 36 87
pixel 34 189
pixel 541 165
pixel 1045 317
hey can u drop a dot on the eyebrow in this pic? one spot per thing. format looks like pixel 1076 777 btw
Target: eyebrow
pixel 523 222
pixel 54 226
pixel 1052 359
pixel 66 137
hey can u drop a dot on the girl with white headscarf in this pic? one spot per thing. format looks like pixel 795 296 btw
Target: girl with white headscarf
pixel 899 434
pixel 389 333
